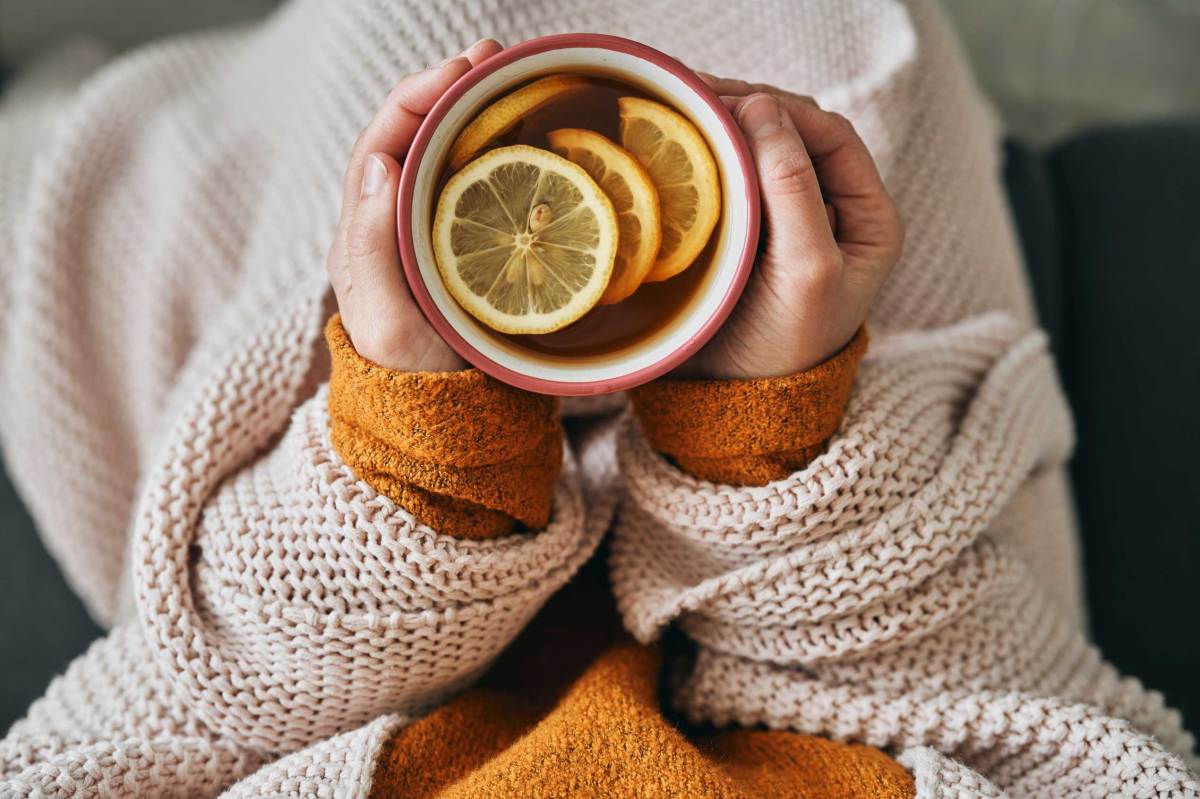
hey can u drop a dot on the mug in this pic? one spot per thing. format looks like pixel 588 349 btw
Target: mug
pixel 736 232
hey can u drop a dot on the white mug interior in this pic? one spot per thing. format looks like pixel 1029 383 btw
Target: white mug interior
pixel 731 232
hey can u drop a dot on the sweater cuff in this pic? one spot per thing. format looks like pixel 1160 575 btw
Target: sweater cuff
pixel 464 453
pixel 749 432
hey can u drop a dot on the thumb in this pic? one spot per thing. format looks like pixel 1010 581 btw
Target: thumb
pixel 798 226
pixel 372 297
pixel 378 311
pixel 372 257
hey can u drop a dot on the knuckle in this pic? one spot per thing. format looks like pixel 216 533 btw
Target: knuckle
pixel 846 132
pixel 789 172
pixel 841 122
pixel 821 274
pixel 362 240
pixel 801 99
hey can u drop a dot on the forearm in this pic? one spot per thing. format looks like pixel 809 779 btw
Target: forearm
pixel 862 596
pixel 749 432
pixel 462 452
pixel 306 581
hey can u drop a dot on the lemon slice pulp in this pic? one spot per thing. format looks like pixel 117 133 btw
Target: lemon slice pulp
pixel 524 240
pixel 503 115
pixel 634 199
pixel 682 168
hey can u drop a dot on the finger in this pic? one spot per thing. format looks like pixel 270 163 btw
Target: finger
pixel 482 50
pixel 395 124
pixel 728 86
pixel 733 87
pixel 833 143
pixel 370 287
pixel 797 223
pixel 867 219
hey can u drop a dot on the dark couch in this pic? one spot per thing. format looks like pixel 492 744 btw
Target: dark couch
pixel 1110 222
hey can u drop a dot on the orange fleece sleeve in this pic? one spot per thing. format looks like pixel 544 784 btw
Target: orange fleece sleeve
pixel 749 432
pixel 464 453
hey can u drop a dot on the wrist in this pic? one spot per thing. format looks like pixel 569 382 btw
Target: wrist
pixel 404 347
pixel 749 431
pixel 764 356
pixel 463 453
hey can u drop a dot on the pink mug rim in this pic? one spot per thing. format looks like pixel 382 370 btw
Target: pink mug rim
pixel 408 182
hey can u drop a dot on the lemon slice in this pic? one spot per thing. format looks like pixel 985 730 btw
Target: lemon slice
pixel 524 239
pixel 633 196
pixel 683 171
pixel 503 115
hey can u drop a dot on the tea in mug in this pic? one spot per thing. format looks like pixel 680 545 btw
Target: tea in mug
pixel 575 215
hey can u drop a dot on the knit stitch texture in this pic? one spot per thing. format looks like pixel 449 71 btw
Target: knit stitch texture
pixel 462 452
pixel 748 432
pixel 573 709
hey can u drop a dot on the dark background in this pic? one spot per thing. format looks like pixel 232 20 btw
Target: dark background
pixel 1103 169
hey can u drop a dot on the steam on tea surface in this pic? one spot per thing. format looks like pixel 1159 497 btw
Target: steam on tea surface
pixel 575 215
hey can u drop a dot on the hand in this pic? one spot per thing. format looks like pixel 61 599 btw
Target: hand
pixel 379 314
pixel 832 236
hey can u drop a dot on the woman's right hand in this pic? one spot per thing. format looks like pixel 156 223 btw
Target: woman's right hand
pixel 832 236
pixel 377 310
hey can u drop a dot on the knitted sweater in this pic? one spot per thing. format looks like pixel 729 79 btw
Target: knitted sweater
pixel 572 708
pixel 275 619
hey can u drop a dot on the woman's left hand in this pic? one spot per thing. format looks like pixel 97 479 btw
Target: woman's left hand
pixel 832 237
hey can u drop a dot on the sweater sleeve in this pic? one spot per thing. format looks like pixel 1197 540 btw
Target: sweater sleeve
pixel 748 432
pixel 311 590
pixel 374 557
pixel 869 587
pixel 464 453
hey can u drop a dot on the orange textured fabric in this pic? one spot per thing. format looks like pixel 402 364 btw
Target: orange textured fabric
pixel 460 451
pixel 749 432
pixel 572 709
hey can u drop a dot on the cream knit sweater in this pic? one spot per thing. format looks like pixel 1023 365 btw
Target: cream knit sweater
pixel 162 232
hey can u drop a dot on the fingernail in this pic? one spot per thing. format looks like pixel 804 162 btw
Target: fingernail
pixel 761 116
pixel 374 174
